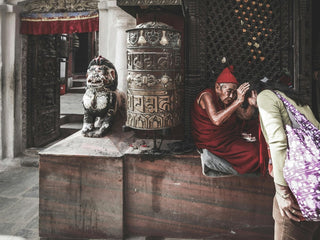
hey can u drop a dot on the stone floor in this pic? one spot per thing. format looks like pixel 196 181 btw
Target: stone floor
pixel 19 187
pixel 19 201
pixel 71 103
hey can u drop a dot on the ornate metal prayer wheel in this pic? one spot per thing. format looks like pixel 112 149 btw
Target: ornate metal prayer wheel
pixel 155 77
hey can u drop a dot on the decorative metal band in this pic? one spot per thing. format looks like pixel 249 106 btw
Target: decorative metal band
pixel 154 25
pixel 153 37
pixel 153 61
pixel 147 2
pixel 149 81
pixel 152 102
pixel 161 104
pixel 152 121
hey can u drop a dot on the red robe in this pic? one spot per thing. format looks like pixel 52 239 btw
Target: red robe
pixel 225 140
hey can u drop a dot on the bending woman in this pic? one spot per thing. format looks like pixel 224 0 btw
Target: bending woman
pixel 288 219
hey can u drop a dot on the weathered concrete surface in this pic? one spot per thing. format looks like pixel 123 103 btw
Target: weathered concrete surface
pixel 19 202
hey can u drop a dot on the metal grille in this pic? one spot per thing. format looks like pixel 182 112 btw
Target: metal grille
pixel 254 36
pixel 231 29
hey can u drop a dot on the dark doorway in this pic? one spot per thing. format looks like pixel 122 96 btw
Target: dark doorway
pixel 83 48
pixel 81 52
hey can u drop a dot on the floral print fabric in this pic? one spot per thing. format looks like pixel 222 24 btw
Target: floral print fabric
pixel 302 166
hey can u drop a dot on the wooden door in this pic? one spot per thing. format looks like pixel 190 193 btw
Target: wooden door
pixel 43 106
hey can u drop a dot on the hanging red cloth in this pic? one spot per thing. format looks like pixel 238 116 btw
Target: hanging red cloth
pixel 59 23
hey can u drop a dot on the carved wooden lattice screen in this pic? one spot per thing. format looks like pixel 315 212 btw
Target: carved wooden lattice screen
pixel 254 36
pixel 43 107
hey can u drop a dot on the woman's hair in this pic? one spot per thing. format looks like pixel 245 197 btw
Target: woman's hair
pixel 286 89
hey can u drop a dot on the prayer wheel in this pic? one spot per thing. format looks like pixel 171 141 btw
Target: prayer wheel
pixel 155 77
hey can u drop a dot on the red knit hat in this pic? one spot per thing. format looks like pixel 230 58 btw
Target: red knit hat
pixel 226 76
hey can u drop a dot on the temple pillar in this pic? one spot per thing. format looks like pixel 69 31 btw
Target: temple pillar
pixel 10 89
pixel 112 37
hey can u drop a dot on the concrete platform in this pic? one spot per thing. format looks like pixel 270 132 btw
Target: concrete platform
pixel 115 188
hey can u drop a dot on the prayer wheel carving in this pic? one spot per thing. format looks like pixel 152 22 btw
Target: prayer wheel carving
pixel 155 77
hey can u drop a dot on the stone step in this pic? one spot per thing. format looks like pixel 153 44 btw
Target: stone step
pixel 69 124
pixel 78 82
pixel 63 119
pixel 77 89
pixel 73 125
pixel 83 80
pixel 71 118
pixel 32 152
pixel 79 76
pixel 68 129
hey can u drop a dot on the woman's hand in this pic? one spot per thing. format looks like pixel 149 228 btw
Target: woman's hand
pixel 241 91
pixel 287 203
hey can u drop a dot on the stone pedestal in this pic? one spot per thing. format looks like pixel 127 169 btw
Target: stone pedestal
pixel 81 184
pixel 104 189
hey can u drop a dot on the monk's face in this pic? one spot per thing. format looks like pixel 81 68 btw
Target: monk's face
pixel 227 92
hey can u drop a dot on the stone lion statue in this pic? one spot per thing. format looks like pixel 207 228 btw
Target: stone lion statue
pixel 100 98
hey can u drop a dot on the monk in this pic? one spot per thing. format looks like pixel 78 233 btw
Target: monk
pixel 222 126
